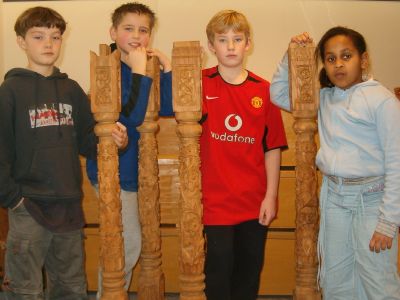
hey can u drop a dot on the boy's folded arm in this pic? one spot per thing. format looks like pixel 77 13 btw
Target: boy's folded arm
pixel 279 88
pixel 135 108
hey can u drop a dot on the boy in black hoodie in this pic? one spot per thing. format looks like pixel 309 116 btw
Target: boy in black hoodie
pixel 45 123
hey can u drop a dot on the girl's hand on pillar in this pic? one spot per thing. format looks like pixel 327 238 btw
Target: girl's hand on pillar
pixel 302 39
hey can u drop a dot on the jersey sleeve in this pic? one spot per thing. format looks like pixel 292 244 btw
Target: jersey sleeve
pixel 275 136
pixel 204 110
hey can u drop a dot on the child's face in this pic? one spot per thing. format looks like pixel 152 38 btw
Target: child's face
pixel 133 31
pixel 230 48
pixel 42 46
pixel 343 63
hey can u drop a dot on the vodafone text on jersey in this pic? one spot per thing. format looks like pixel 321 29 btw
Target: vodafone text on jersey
pixel 232 127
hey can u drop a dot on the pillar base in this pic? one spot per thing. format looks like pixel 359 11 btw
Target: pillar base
pixel 305 293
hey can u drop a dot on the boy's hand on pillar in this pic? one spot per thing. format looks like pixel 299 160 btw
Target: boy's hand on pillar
pixel 120 135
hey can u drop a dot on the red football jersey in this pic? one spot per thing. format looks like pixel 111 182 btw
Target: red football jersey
pixel 239 124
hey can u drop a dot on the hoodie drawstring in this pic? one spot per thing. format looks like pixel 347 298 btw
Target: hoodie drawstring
pixel 58 105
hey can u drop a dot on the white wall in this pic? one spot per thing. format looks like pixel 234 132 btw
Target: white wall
pixel 273 23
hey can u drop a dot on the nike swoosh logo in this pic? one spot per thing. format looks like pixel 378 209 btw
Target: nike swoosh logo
pixel 211 97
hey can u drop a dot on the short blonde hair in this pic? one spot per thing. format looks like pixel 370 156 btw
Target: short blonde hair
pixel 225 20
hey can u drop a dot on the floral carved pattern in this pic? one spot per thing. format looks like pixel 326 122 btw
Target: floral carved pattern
pixel 105 83
pixel 186 68
pixel 151 277
pixel 103 86
pixel 304 100
pixel 186 85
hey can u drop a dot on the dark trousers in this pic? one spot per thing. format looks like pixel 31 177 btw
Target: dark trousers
pixel 234 259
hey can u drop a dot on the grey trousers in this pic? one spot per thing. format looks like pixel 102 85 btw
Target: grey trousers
pixel 30 247
pixel 131 234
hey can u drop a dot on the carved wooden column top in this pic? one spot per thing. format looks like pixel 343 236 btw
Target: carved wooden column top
pixel 186 63
pixel 104 74
pixel 304 86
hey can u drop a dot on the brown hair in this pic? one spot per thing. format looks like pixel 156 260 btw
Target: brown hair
pixel 39 17
pixel 132 7
pixel 225 20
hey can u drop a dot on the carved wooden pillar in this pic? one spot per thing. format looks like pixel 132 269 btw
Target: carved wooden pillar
pixel 106 105
pixel 151 277
pixel 304 91
pixel 3 238
pixel 186 66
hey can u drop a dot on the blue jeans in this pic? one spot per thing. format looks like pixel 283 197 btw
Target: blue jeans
pixel 30 247
pixel 349 270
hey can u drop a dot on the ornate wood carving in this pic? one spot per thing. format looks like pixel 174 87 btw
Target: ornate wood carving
pixel 186 66
pixel 304 92
pixel 151 277
pixel 3 238
pixel 106 105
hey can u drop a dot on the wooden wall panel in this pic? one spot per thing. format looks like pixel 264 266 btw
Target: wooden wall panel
pixel 169 190
pixel 288 156
pixel 90 200
pixel 286 201
pixel 277 277
pixel 278 274
pixel 92 247
pixel 168 143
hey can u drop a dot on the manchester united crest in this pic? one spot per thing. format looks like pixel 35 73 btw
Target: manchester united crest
pixel 257 102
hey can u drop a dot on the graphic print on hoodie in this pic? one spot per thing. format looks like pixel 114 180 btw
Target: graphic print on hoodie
pixel 49 115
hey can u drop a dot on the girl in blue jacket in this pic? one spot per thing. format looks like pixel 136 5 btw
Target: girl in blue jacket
pixel 359 156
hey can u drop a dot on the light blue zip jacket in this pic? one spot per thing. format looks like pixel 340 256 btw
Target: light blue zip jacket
pixel 359 131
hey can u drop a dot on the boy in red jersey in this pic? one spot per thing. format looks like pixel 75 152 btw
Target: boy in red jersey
pixel 240 151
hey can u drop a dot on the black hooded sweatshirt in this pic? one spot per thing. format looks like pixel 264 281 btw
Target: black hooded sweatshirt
pixel 45 123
